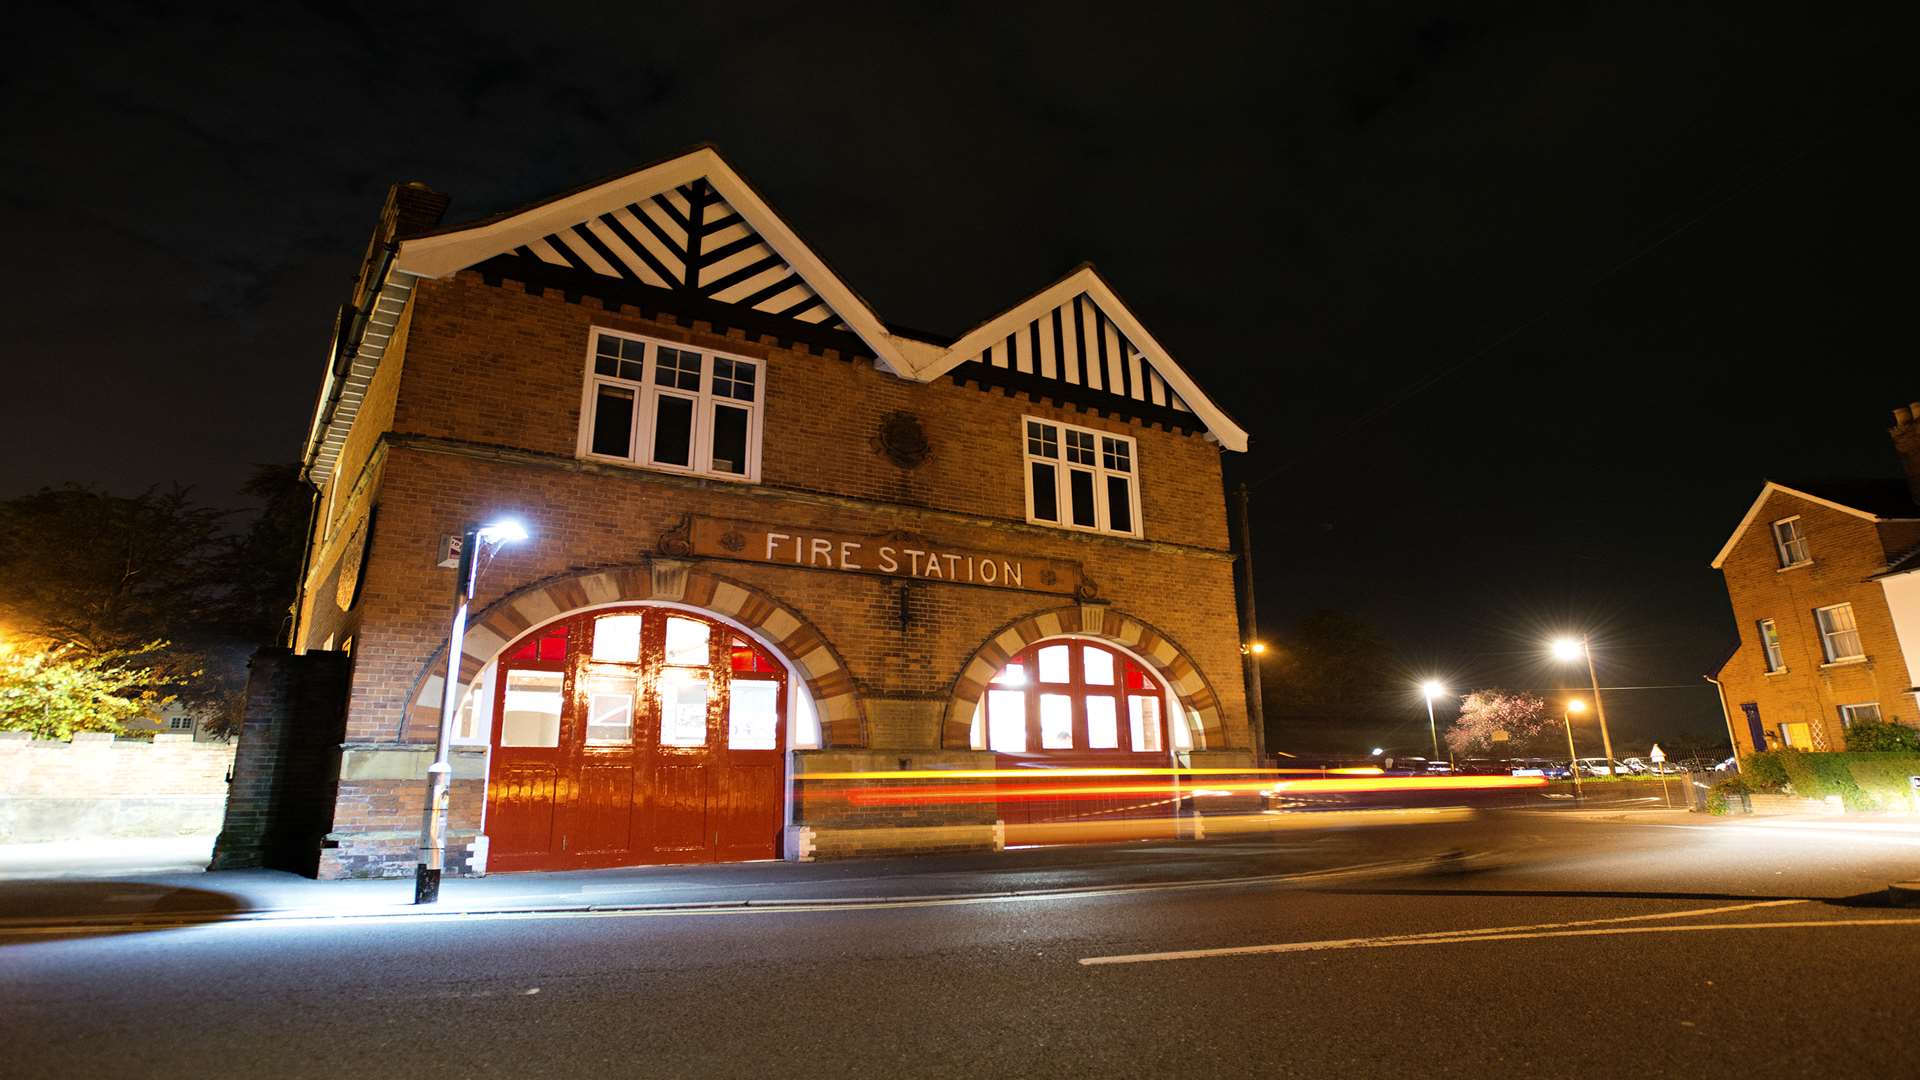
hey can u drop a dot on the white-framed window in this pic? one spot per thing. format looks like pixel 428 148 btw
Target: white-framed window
pixel 659 405
pixel 1839 633
pixel 1080 478
pixel 1866 711
pixel 1770 643
pixel 1790 543
pixel 180 723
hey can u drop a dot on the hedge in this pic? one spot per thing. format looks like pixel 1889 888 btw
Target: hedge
pixel 1864 781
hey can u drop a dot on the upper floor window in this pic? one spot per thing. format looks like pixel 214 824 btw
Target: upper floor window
pixel 1770 641
pixel 665 407
pixel 1839 633
pixel 1849 714
pixel 1790 543
pixel 1079 478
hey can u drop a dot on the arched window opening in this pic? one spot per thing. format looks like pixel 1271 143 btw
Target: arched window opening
pixel 1073 696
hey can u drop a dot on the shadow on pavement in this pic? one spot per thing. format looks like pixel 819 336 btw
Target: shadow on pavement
pixel 43 910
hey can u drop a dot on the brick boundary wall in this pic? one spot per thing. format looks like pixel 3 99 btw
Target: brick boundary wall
pixel 286 773
pixel 97 787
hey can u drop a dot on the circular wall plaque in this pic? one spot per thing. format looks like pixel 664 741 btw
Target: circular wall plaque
pixel 904 440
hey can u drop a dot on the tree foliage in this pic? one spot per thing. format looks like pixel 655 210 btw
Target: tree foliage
pixel 1522 716
pixel 55 693
pixel 95 575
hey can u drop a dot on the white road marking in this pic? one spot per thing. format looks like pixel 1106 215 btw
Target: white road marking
pixel 1385 940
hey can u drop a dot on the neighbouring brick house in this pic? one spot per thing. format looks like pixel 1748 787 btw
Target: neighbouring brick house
pixel 1824 577
pixel 771 538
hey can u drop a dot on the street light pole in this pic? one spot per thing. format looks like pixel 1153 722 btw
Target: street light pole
pixel 1432 690
pixel 1251 646
pixel 433 825
pixel 1573 756
pixel 1564 649
pixel 1599 707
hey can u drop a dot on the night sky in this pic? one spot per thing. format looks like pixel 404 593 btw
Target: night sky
pixel 1520 303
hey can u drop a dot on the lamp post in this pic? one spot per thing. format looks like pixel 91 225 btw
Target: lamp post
pixel 1573 756
pixel 1574 649
pixel 433 825
pixel 1432 689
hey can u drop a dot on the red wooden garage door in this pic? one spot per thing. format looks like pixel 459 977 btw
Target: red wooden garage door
pixel 635 735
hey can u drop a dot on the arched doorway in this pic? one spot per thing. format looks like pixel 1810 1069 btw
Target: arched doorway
pixel 1078 728
pixel 631 735
pixel 1075 699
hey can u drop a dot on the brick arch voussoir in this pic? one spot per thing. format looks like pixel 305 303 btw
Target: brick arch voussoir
pixel 843 721
pixel 1099 622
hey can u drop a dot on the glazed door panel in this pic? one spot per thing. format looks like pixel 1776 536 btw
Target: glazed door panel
pixel 520 816
pixel 747 818
pixel 679 799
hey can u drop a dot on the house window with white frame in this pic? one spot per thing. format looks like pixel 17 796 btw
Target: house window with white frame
pixel 1770 644
pixel 1839 633
pixel 661 406
pixel 1790 543
pixel 1851 714
pixel 1079 478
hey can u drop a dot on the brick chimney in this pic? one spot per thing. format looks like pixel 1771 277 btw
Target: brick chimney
pixel 413 207
pixel 1906 440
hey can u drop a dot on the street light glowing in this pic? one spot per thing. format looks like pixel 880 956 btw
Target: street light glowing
pixel 1257 647
pixel 1568 649
pixel 1576 706
pixel 1432 689
pixel 508 531
pixel 1377 751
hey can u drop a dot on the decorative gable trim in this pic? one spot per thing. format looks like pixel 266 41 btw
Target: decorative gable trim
pixel 688 224
pixel 1753 512
pixel 1078 336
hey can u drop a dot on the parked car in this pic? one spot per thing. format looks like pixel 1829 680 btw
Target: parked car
pixel 1597 766
pixel 1552 770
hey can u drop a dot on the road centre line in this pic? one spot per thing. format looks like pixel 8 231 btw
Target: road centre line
pixel 88 925
pixel 1490 933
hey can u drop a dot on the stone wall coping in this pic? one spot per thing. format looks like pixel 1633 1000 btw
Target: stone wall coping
pixel 385 761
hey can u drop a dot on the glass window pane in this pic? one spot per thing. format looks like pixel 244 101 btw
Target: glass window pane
pixel 730 440
pixel 1046 492
pixel 1080 494
pixel 1143 721
pixel 733 379
pixel 616 639
pixel 1119 504
pixel 1103 725
pixel 1137 677
pixel 530 715
pixel 1007 721
pixel 463 726
pixel 1116 454
pixel 1053 664
pixel 1012 675
pixel 1043 440
pixel 683 707
pixel 1080 447
pixel 753 714
pixel 687 642
pixel 610 707
pixel 673 430
pixel 1056 722
pixel 1099 665
pixel 613 421
pixel 676 368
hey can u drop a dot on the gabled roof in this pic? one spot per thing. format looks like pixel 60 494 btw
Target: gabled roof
pixel 1077 332
pixel 1871 499
pixel 688 234
pixel 688 222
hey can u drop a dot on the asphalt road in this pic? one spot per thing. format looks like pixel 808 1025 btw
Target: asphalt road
pixel 1536 944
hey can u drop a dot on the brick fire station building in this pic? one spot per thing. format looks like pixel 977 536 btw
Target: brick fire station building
pixel 771 537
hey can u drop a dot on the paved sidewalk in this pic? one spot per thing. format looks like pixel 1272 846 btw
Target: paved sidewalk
pixel 105 858
pixel 251 894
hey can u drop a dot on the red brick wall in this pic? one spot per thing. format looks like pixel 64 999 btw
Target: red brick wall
pixel 1846 550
